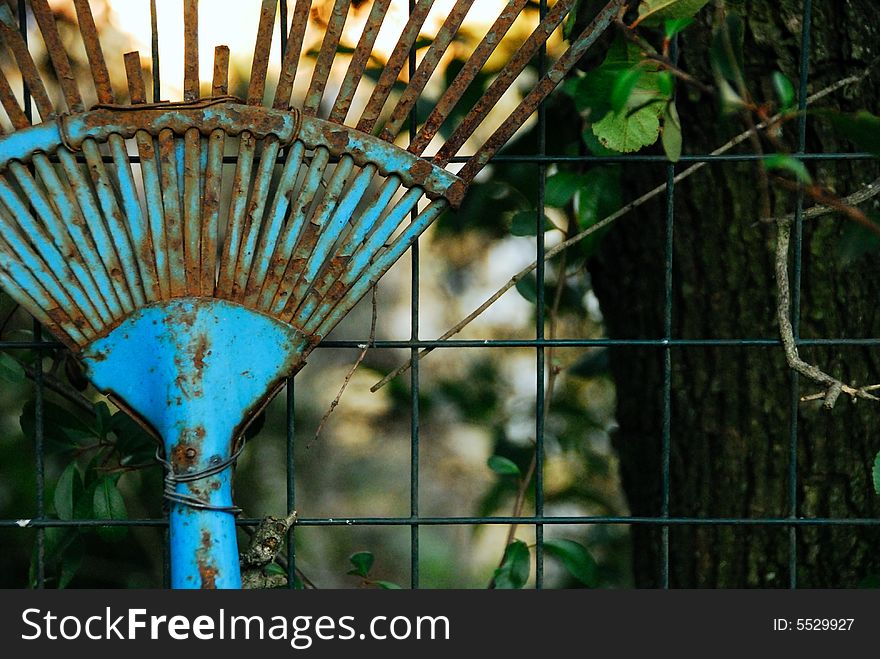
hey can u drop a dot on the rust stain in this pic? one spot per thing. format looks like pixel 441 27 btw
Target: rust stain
pixel 207 571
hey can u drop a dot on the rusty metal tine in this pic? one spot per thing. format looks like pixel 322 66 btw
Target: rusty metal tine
pixel 290 64
pixel 505 79
pixel 290 235
pixel 322 257
pixel 254 216
pixel 391 71
pixel 52 250
pixel 543 89
pixel 466 76
pixel 35 259
pixel 13 110
pixel 97 64
pixel 257 85
pixel 154 50
pixel 172 213
pixel 238 207
pixel 154 256
pixel 128 278
pixel 425 70
pixel 378 267
pixel 192 210
pixel 358 231
pixel 272 231
pixel 213 180
pixel 359 60
pixel 191 90
pixel 16 278
pixel 28 292
pixel 363 259
pixel 307 259
pixel 326 56
pixel 220 83
pixel 58 55
pixel 15 42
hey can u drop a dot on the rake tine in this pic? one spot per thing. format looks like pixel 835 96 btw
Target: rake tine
pixel 466 76
pixel 426 69
pixel 29 290
pixel 273 286
pixel 326 57
pixel 14 41
pixel 154 268
pixel 271 232
pixel 16 115
pixel 57 55
pixel 35 261
pixel 240 187
pixel 171 204
pixel 306 260
pixel 503 82
pixel 543 89
pixel 366 268
pixel 191 91
pixel 213 179
pixel 257 85
pixel 394 66
pixel 192 209
pixel 290 63
pixel 97 64
pixel 359 60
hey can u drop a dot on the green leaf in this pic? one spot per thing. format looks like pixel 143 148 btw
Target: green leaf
pixel 561 188
pixel 363 563
pixel 627 134
pixel 671 137
pixel 856 242
pixel 59 424
pixel 503 466
pixel 70 563
pixel 274 568
pixel 599 195
pixel 10 370
pixel 592 365
pixel 726 51
pixel 623 88
pixel 68 490
pixel 109 504
pixel 784 91
pixel 657 12
pixel 387 585
pixel 528 288
pixel 102 419
pixel 876 474
pixel 576 559
pixel 676 25
pixel 514 570
pixel 525 223
pixel 862 128
pixel 789 164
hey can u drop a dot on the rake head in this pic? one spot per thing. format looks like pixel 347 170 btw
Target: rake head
pixel 190 306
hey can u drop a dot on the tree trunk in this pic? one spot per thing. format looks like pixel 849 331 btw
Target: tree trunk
pixel 731 405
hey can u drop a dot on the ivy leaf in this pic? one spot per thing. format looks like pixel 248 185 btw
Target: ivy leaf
pixel 671 137
pixel 576 559
pixel 656 12
pixel 387 585
pixel 514 570
pixel 68 490
pixel 525 223
pixel 627 134
pixel 876 474
pixel 10 370
pixel 784 91
pixel 363 563
pixel 789 164
pixel 109 504
pixel 503 466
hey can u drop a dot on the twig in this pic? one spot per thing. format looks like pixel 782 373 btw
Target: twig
pixel 364 349
pixel 56 385
pixel 829 203
pixel 833 386
pixel 660 189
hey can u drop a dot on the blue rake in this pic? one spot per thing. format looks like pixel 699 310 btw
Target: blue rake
pixel 188 311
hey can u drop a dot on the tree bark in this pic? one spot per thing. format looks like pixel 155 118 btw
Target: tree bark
pixel 731 407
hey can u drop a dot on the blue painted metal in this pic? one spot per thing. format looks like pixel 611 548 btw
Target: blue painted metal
pixel 197 370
